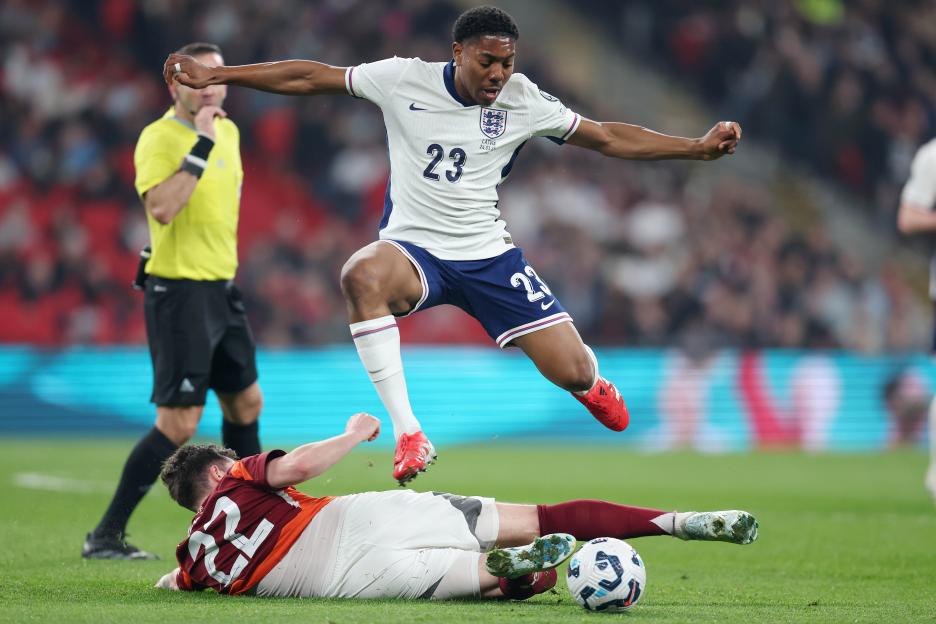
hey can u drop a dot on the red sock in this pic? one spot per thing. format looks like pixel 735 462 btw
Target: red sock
pixel 588 519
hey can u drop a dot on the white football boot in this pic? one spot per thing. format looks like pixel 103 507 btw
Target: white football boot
pixel 543 553
pixel 737 527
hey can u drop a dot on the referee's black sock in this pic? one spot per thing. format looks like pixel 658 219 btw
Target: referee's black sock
pixel 242 439
pixel 140 472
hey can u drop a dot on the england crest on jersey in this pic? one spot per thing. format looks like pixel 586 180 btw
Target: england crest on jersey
pixel 493 122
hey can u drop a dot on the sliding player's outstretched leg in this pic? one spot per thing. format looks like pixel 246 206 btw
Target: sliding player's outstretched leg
pixel 379 282
pixel 587 519
pixel 562 357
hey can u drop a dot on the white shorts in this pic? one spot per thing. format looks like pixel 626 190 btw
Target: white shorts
pixel 395 544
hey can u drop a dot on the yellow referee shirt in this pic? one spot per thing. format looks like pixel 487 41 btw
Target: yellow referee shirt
pixel 200 243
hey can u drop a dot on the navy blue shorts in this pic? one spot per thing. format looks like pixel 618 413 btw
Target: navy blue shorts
pixel 504 293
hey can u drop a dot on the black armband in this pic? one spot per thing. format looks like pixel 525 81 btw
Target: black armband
pixel 202 147
pixel 197 159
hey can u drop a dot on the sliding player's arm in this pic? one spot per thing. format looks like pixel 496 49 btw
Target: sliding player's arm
pixel 621 140
pixel 284 77
pixel 311 460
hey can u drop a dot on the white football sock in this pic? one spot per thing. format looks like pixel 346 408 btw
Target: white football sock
pixel 378 345
pixel 594 360
pixel 667 522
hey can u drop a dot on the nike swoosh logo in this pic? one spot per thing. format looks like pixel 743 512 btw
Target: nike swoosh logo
pixel 546 306
pixel 414 107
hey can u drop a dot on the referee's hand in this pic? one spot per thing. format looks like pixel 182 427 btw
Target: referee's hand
pixel 187 71
pixel 204 120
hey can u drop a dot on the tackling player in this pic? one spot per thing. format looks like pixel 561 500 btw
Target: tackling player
pixel 454 130
pixel 254 533
pixel 916 216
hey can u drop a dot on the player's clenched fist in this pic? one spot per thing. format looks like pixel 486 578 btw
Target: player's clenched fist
pixel 363 425
pixel 722 139
pixel 186 70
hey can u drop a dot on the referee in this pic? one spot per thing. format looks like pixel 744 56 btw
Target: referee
pixel 189 175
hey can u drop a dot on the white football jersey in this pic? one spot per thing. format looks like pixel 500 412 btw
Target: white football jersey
pixel 447 156
pixel 920 191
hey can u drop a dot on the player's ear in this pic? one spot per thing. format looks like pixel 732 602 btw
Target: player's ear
pixel 457 52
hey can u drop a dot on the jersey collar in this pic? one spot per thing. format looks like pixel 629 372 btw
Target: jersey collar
pixel 448 76
pixel 171 114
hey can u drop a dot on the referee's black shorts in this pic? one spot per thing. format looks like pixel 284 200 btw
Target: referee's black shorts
pixel 198 339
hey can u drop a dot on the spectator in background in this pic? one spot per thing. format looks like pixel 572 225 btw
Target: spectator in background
pixel 906 396
pixel 189 177
pixel 77 86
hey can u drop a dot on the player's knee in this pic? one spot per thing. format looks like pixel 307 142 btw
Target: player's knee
pixel 249 406
pixel 360 280
pixel 179 427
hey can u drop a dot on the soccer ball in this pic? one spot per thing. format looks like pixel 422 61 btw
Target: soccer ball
pixel 606 574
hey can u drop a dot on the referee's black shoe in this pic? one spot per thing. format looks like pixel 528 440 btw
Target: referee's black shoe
pixel 113 547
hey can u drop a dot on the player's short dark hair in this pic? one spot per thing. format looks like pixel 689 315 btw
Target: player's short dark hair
pixel 484 21
pixel 199 47
pixel 184 472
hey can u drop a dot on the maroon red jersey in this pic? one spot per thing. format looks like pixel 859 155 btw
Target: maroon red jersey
pixel 243 529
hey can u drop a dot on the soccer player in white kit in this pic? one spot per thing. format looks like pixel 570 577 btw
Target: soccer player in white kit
pixel 255 534
pixel 917 215
pixel 454 131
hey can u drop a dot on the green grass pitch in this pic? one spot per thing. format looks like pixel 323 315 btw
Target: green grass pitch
pixel 844 538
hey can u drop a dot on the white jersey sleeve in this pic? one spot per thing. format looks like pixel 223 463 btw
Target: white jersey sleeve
pixel 549 117
pixel 376 81
pixel 920 189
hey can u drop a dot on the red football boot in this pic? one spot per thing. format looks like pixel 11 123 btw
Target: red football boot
pixel 606 405
pixel 413 455
pixel 528 585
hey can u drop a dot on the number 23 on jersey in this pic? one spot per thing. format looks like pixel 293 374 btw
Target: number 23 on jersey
pixel 458 157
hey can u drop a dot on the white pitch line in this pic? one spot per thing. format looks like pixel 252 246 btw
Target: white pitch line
pixel 51 483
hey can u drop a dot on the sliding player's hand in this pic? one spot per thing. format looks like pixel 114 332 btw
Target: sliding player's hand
pixel 168 581
pixel 187 71
pixel 722 139
pixel 364 426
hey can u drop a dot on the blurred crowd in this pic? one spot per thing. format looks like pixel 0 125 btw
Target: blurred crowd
pixel 641 254
pixel 848 87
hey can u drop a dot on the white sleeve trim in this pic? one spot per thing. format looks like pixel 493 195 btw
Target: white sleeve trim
pixel 572 128
pixel 349 83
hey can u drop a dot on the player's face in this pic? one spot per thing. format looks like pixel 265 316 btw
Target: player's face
pixel 193 99
pixel 484 66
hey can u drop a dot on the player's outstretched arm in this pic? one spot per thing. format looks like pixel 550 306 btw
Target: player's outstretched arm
pixel 311 460
pixel 622 140
pixel 285 77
